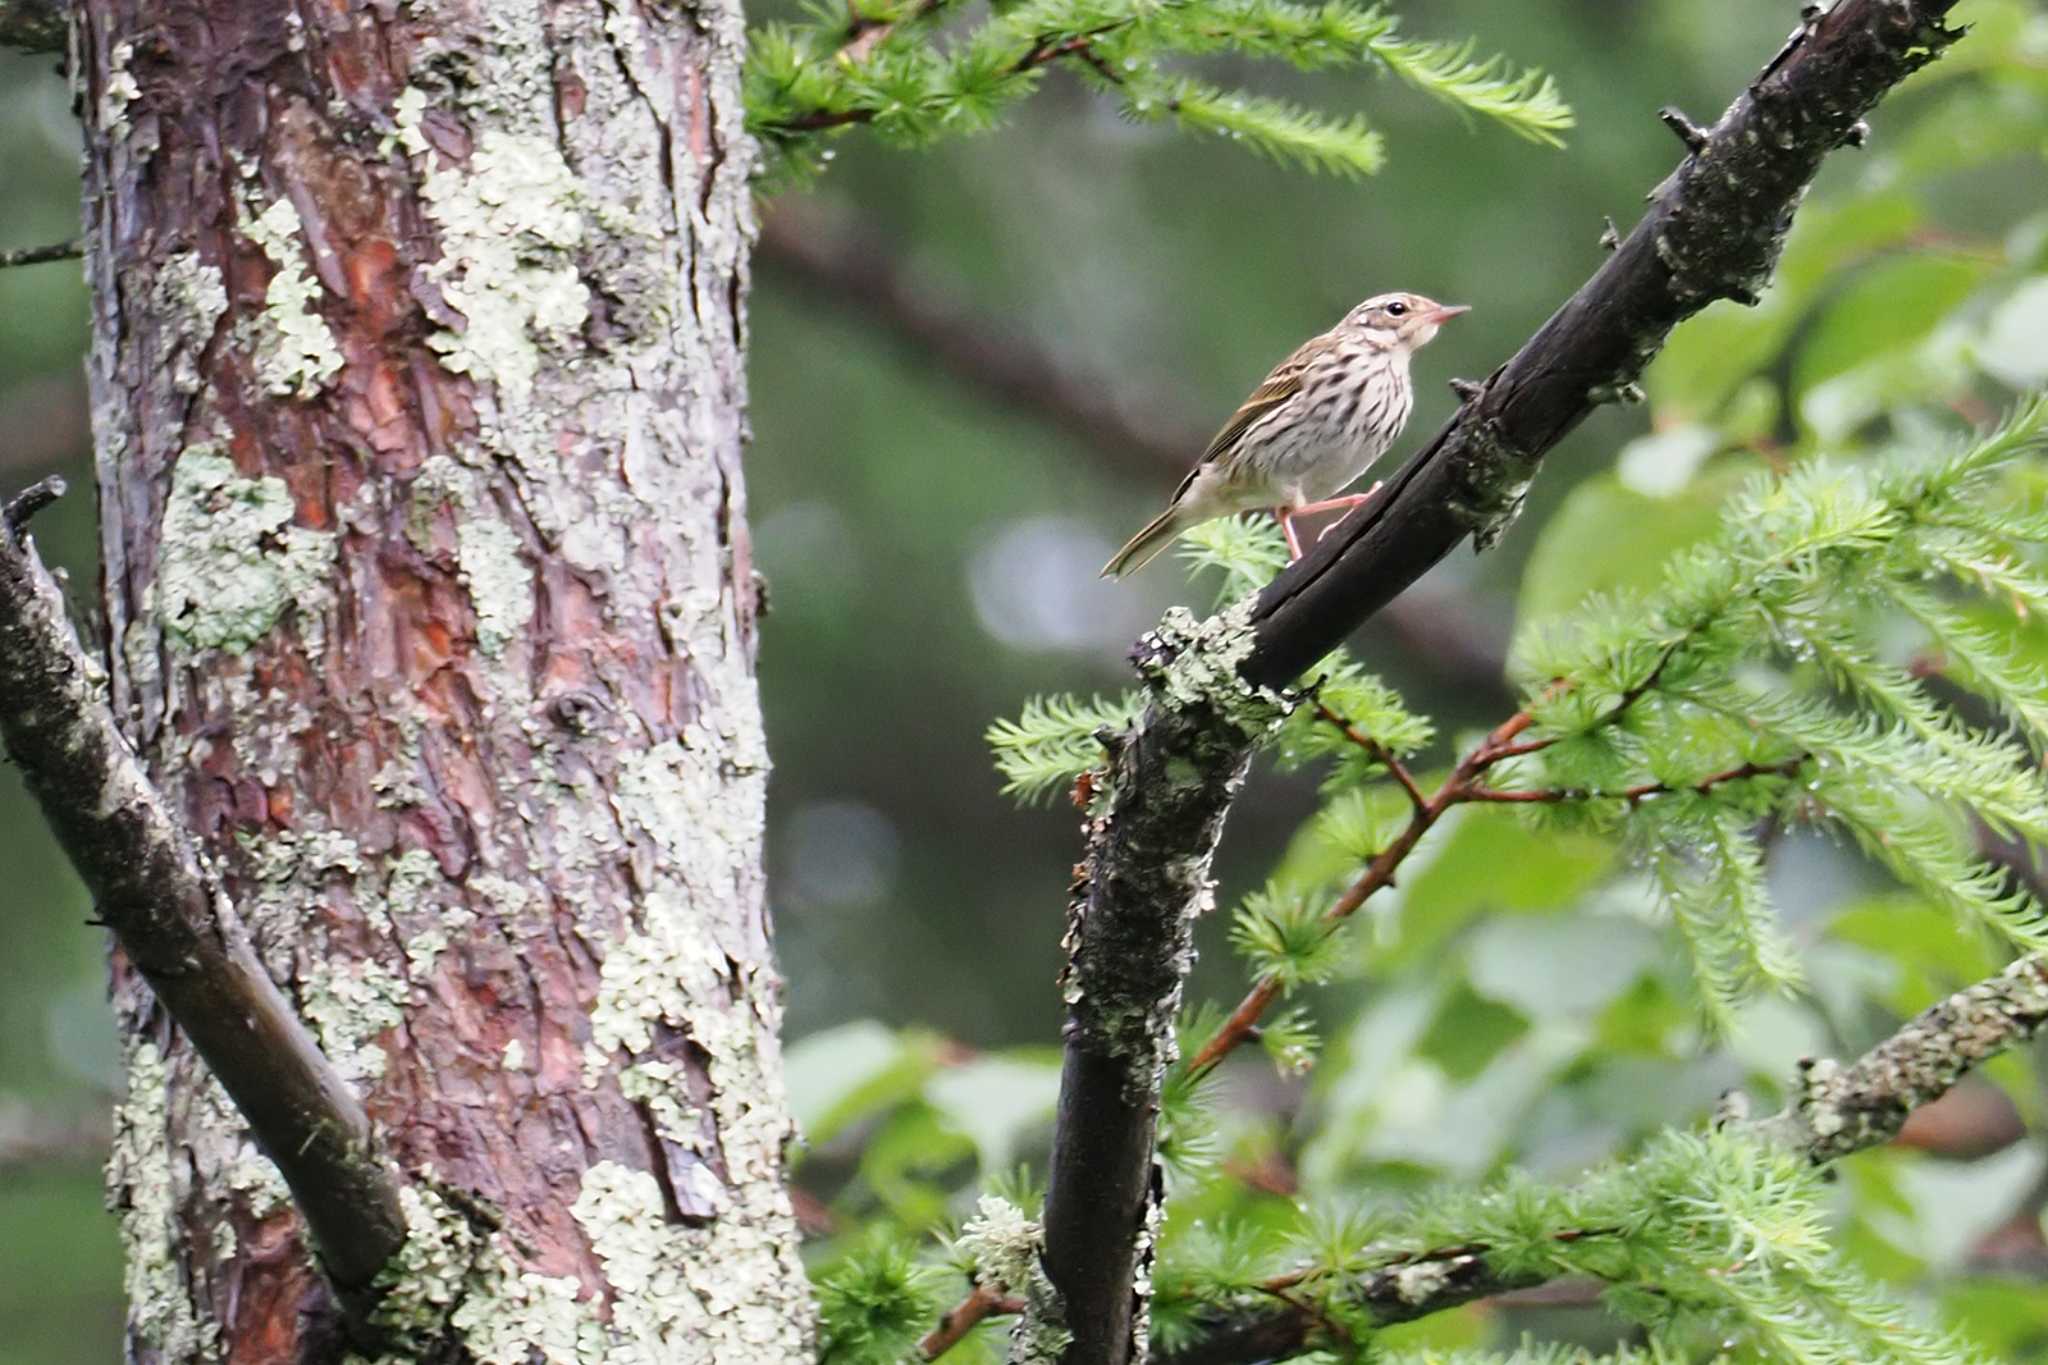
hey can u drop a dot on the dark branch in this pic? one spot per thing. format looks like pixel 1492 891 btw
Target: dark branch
pixel 38 255
pixel 1713 231
pixel 1130 941
pixel 15 515
pixel 178 927
pixel 852 264
pixel 33 25
pixel 1835 1111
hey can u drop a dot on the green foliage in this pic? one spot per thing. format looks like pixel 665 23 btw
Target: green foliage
pixel 1054 741
pixel 876 1303
pixel 1765 642
pixel 1707 1233
pixel 1285 937
pixel 1789 659
pixel 891 69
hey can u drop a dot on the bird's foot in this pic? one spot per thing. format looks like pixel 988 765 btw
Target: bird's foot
pixel 1350 503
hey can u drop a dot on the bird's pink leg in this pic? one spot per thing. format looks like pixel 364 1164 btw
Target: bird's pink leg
pixel 1285 516
pixel 1347 502
pixel 1350 503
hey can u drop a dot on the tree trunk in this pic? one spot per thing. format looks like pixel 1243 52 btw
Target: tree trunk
pixel 418 399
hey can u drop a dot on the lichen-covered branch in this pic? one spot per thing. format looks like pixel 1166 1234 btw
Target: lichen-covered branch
pixel 1835 1111
pixel 32 25
pixel 176 925
pixel 1713 231
pixel 1151 835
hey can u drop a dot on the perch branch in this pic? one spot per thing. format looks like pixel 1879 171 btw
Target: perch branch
pixel 1714 230
pixel 177 926
pixel 850 263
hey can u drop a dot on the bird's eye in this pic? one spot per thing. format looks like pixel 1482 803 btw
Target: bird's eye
pixel 1395 310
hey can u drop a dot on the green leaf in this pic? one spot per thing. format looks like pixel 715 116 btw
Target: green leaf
pixel 1881 310
pixel 998 1101
pixel 1286 937
pixel 2014 346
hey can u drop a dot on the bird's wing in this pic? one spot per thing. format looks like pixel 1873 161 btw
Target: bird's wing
pixel 1279 386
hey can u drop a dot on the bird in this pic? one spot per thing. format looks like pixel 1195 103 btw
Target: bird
pixel 1316 423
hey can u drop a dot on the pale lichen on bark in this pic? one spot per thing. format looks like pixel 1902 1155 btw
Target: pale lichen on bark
pixel 1151 838
pixel 231 561
pixel 295 350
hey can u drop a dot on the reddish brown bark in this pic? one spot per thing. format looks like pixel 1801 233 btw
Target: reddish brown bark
pixel 418 401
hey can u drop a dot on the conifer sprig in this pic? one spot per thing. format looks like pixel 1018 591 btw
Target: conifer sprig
pixel 1054 741
pixel 899 69
pixel 1759 636
pixel 1715 1231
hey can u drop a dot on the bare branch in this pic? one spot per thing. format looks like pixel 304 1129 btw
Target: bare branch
pixel 1552 796
pixel 981 1302
pixel 178 927
pixel 38 255
pixel 1714 230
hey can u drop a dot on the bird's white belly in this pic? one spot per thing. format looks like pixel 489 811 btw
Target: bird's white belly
pixel 1339 440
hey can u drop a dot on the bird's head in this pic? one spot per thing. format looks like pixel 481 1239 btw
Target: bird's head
pixel 1404 321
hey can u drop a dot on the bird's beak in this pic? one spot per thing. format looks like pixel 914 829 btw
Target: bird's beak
pixel 1446 311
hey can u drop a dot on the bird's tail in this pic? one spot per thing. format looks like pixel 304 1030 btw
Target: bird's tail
pixel 1141 548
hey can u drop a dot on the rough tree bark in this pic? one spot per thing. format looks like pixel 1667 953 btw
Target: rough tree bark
pixel 418 401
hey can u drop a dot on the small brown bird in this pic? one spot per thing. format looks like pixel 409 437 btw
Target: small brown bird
pixel 1317 422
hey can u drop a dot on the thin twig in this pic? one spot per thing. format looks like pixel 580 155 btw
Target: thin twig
pixel 37 255
pixel 1379 753
pixel 1641 790
pixel 1378 874
pixel 864 35
pixel 1041 54
pixel 981 1302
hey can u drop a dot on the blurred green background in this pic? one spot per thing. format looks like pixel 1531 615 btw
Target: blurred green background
pixel 931 551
